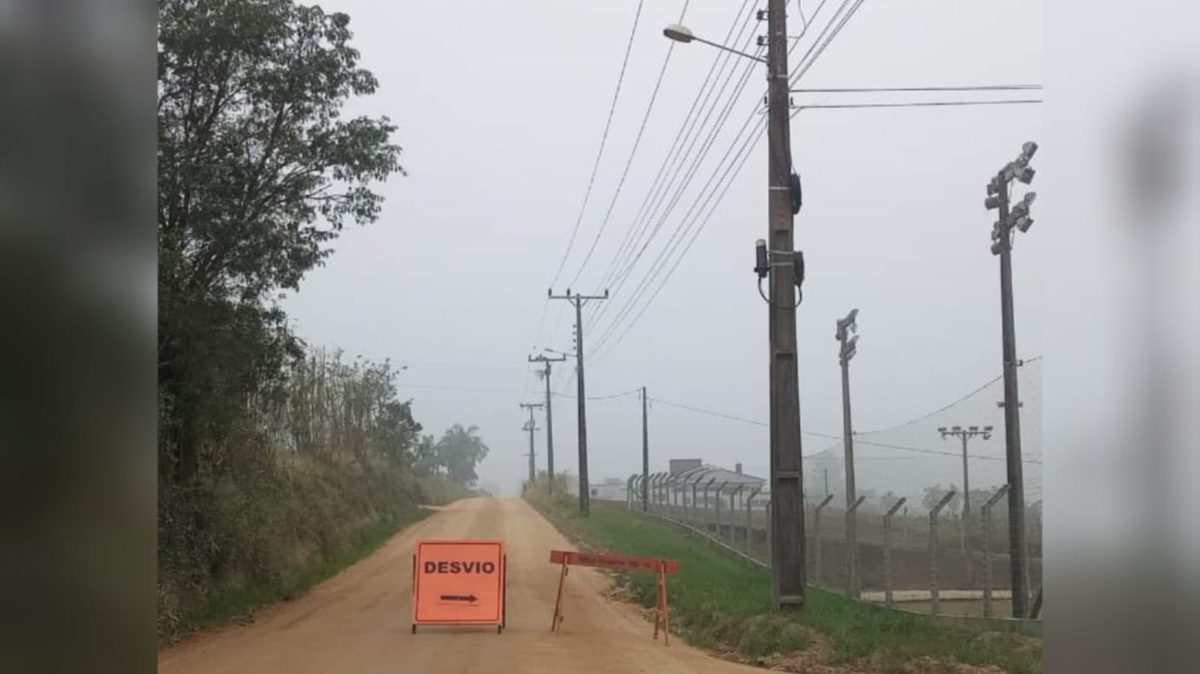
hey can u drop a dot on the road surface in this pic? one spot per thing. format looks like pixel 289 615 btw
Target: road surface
pixel 358 622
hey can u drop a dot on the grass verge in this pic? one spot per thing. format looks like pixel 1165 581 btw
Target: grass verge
pixel 721 603
pixel 229 603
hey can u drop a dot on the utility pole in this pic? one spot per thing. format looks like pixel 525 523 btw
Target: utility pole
pixel 965 434
pixel 531 427
pixel 645 454
pixel 581 395
pixel 787 485
pixel 785 265
pixel 1002 239
pixel 849 346
pixel 545 373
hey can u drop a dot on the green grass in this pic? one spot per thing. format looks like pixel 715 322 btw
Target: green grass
pixel 224 604
pixel 722 603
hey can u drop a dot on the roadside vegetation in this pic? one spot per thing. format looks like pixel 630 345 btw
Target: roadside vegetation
pixel 722 604
pixel 278 463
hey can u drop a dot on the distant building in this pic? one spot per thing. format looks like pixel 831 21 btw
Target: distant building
pixel 676 466
pixel 612 489
pixel 695 474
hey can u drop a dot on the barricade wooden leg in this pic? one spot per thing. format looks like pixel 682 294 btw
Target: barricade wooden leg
pixel 665 608
pixel 657 606
pixel 562 576
pixel 503 596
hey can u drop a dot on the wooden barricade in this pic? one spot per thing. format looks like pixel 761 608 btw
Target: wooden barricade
pixel 660 567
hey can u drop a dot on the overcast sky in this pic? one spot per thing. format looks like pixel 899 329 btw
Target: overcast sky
pixel 501 108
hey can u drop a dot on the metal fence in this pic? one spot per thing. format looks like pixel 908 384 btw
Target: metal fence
pixel 912 557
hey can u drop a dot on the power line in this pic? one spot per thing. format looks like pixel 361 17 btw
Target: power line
pixel 947 406
pixel 629 267
pixel 444 387
pixel 710 413
pixel 808 59
pixel 641 219
pixel 849 14
pixel 607 397
pixel 807 63
pixel 987 87
pixel 921 104
pixel 857 438
pixel 633 151
pixel 603 141
pixel 739 162
pixel 689 174
pixel 667 248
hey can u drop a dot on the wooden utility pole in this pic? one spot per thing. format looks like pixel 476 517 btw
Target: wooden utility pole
pixel 1002 237
pixel 645 455
pixel 545 373
pixel 966 434
pixel 849 346
pixel 577 300
pixel 787 485
pixel 531 427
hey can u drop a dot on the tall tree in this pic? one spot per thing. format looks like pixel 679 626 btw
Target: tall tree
pixel 258 172
pixel 460 450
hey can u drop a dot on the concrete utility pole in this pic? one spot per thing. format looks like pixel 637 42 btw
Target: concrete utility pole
pixel 645 453
pixel 785 266
pixel 965 434
pixel 787 484
pixel 849 346
pixel 1002 238
pixel 545 375
pixel 531 427
pixel 581 394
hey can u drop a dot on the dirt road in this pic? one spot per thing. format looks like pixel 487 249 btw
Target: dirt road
pixel 358 622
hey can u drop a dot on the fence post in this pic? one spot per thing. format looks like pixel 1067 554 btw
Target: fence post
pixel 818 568
pixel 887 550
pixel 852 553
pixel 717 509
pixel 629 491
pixel 704 511
pixel 768 530
pixel 733 513
pixel 986 514
pixel 749 521
pixel 934 600
pixel 680 501
pixel 691 514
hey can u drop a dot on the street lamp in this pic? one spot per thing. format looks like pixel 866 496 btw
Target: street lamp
pixel 680 33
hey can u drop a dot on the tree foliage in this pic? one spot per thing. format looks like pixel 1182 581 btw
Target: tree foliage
pixel 258 171
pixel 931 496
pixel 272 455
pixel 459 451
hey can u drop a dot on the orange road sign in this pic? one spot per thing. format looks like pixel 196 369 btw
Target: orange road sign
pixel 661 567
pixel 459 583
